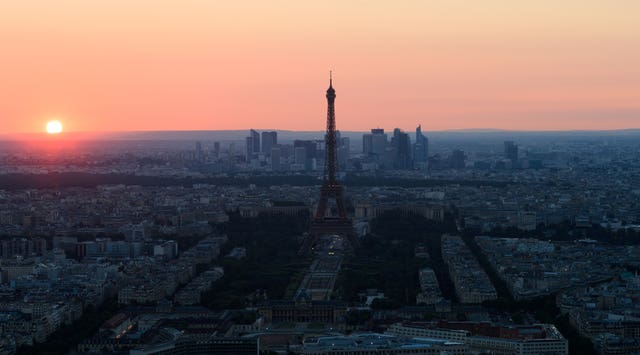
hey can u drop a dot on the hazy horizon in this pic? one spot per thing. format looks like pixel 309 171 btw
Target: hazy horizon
pixel 290 135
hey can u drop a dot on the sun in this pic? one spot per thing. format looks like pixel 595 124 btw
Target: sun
pixel 54 127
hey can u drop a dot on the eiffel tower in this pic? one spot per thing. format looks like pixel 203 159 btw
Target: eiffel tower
pixel 324 223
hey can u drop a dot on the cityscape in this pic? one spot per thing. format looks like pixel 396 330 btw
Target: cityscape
pixel 438 193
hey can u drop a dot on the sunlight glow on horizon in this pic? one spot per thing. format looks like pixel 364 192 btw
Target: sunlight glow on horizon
pixel 197 65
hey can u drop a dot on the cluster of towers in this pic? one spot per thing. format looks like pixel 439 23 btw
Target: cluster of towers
pixel 254 148
pixel 299 155
pixel 397 153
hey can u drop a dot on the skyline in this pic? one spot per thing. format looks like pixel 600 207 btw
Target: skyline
pixel 149 66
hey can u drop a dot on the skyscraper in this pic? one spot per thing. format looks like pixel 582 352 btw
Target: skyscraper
pixel 252 144
pixel 374 142
pixel 311 148
pixel 401 143
pixel 310 151
pixel 269 140
pixel 367 143
pixel 420 149
pixel 511 152
pixel 256 140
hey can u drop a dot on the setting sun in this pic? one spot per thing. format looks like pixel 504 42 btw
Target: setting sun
pixel 54 127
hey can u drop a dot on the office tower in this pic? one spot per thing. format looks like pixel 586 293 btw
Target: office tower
pixel 511 152
pixel 374 142
pixel 269 140
pixel 323 224
pixel 379 141
pixel 275 158
pixel 310 150
pixel 256 141
pixel 286 151
pixel 252 144
pixel 421 149
pixel 311 147
pixel 367 144
pixel 401 143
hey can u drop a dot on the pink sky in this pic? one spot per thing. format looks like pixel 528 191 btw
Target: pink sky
pixel 116 65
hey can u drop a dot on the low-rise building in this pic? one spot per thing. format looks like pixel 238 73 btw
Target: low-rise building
pixel 488 338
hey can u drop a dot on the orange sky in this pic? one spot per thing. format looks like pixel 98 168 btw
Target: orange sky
pixel 114 65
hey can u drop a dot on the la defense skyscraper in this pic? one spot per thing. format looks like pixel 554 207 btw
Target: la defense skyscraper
pixel 324 222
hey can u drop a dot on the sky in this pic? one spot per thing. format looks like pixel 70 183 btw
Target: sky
pixel 121 65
